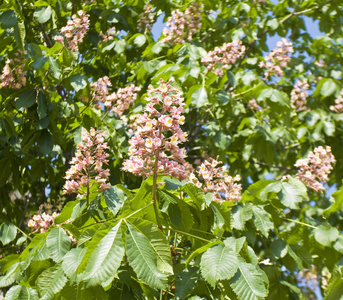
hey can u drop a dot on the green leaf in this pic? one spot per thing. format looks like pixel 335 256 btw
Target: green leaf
pixel 196 194
pixel 105 260
pixel 26 99
pixel 50 282
pixel 241 214
pixel 45 142
pixel 114 198
pixel 201 250
pixel 66 212
pixel 58 243
pixel 335 287
pixel 42 107
pixel 72 260
pixel 5 167
pixel 10 276
pixel 139 40
pixel 42 14
pixel 8 19
pixel 78 82
pixel 231 77
pixel 218 263
pixel 279 248
pixel 262 220
pixel 186 282
pixel 222 216
pixel 21 293
pixel 199 97
pixel 337 203
pixel 172 184
pixel 250 282
pixel 292 193
pixel 158 242
pixel 8 232
pixel 326 235
pixel 55 68
pixel 143 259
pixel 328 87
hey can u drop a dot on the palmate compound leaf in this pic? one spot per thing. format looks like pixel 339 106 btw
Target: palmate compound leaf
pixel 105 260
pixel 50 282
pixel 143 259
pixel 219 262
pixel 158 242
pixel 250 282
pixel 19 292
pixel 58 243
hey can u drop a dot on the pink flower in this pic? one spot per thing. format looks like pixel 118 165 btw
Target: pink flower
pixel 86 167
pixel 146 19
pixel 217 181
pixel 338 107
pixel 277 59
pixel 75 31
pixel 299 95
pixel 149 147
pixel 14 74
pixel 315 168
pixel 181 26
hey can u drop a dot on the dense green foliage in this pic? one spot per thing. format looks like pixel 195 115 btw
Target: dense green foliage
pixel 184 246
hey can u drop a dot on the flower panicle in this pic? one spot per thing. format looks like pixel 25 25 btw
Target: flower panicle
pixel 181 26
pixel 87 164
pixel 315 168
pixel 277 59
pixel 14 74
pixel 75 31
pixel 146 19
pixel 222 57
pixel 158 133
pixel 216 180
pixel 299 95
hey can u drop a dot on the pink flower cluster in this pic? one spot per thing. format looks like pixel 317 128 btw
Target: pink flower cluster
pixel 299 95
pixel 87 165
pixel 154 148
pixel 277 59
pixel 316 167
pixel 183 25
pixel 75 31
pixel 118 101
pixel 108 36
pixel 13 73
pixel 338 107
pixel 146 19
pixel 217 181
pixel 42 222
pixel 122 99
pixel 223 57
pixel 100 90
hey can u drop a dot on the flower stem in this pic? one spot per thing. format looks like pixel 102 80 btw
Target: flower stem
pixel 154 202
pixel 301 223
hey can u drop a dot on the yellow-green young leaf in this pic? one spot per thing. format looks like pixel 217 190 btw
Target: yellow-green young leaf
pixel 250 282
pixel 105 260
pixel 218 263
pixel 19 292
pixel 58 243
pixel 8 232
pixel 143 259
pixel 50 282
pixel 42 14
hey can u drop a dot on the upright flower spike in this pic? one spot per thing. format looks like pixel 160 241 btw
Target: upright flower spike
pixel 146 19
pixel 315 168
pixel 154 148
pixel 217 181
pixel 338 107
pixel 87 165
pixel 14 74
pixel 299 95
pixel 181 26
pixel 222 57
pixel 75 31
pixel 277 59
